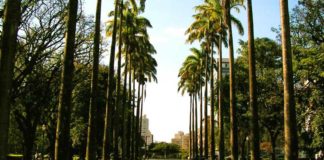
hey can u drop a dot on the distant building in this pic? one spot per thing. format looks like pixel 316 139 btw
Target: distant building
pixel 225 66
pixel 181 140
pixel 145 131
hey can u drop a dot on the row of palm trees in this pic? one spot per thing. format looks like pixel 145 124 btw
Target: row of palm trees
pixel 212 27
pixel 124 108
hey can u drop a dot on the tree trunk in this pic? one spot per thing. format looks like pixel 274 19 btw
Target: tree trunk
pixel 137 129
pixel 133 117
pixel 233 120
pixel 141 109
pixel 129 112
pixel 109 103
pixel 212 107
pixel 255 150
pixel 243 156
pixel 8 50
pixel 62 141
pixel 118 95
pixel 190 128
pixel 125 109
pixel 201 121
pixel 196 125
pixel 273 146
pixel 206 109
pixel 291 142
pixel 220 103
pixel 91 137
pixel 29 139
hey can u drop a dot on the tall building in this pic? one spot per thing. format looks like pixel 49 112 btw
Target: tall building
pixel 145 131
pixel 181 140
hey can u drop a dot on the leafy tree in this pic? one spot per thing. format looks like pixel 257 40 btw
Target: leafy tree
pixel 307 39
pixel 163 149
pixel 269 87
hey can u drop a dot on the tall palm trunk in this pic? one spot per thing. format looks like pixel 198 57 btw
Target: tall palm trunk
pixel 91 138
pixel 137 129
pixel 206 109
pixel 193 126
pixel 125 108
pixel 133 117
pixel 190 129
pixel 252 86
pixel 220 102
pixel 291 142
pixel 201 120
pixel 141 109
pixel 8 50
pixel 196 125
pixel 233 120
pixel 129 111
pixel 62 141
pixel 117 119
pixel 109 103
pixel 212 107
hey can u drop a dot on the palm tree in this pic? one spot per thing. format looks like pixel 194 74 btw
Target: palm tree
pixel 233 121
pixel 118 98
pixel 62 141
pixel 252 86
pixel 198 31
pixel 11 22
pixel 108 135
pixel 91 138
pixel 210 29
pixel 291 141
pixel 191 79
pixel 199 57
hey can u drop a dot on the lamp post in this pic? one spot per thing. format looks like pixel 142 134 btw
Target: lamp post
pixel 248 147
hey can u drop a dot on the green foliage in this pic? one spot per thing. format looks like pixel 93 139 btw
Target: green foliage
pixel 163 148
pixel 308 51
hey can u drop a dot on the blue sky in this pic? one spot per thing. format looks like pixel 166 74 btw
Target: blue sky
pixel 166 109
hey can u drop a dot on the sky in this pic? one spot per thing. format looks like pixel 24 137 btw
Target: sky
pixel 166 109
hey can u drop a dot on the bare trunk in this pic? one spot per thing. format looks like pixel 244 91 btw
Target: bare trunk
pixel 109 104
pixel 196 125
pixel 125 110
pixel 133 118
pixel 62 140
pixel 129 112
pixel 212 107
pixel 91 137
pixel 291 141
pixel 190 129
pixel 8 50
pixel 220 103
pixel 137 129
pixel 206 110
pixel 255 151
pixel 273 147
pixel 233 120
pixel 201 122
